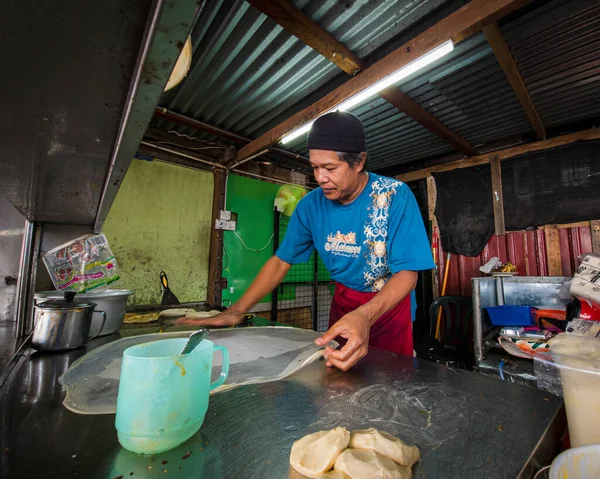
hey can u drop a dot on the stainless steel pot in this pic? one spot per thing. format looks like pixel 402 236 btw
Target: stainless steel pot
pixel 112 301
pixel 63 325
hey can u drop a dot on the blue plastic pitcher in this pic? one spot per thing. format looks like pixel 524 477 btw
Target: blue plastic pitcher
pixel 163 396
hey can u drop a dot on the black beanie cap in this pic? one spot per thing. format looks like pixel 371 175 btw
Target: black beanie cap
pixel 337 131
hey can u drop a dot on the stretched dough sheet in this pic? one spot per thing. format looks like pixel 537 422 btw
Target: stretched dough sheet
pixel 257 355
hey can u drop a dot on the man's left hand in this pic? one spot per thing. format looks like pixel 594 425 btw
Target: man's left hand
pixel 354 327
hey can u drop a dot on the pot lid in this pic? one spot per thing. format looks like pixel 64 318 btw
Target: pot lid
pixel 107 293
pixel 63 305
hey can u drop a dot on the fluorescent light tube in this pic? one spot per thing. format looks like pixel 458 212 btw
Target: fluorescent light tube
pixel 296 133
pixel 412 67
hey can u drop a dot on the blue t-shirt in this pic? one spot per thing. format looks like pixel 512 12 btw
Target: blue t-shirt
pixel 364 242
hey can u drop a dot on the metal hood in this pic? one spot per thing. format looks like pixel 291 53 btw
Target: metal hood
pixel 80 81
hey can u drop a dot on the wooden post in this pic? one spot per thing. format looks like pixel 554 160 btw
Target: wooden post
pixel 214 294
pixel 595 229
pixel 553 250
pixel 431 200
pixel 497 199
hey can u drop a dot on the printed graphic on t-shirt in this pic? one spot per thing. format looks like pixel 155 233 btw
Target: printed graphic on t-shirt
pixel 377 271
pixel 342 244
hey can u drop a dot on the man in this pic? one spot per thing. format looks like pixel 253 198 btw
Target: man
pixel 369 233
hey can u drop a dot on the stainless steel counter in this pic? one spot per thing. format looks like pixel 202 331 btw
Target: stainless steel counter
pixel 466 425
pixel 8 344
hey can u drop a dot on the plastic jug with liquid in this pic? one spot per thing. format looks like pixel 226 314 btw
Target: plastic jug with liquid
pixel 163 395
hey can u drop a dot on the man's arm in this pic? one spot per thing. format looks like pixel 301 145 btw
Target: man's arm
pixel 395 290
pixel 355 325
pixel 268 278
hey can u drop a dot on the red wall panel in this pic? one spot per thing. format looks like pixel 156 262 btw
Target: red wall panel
pixel 525 249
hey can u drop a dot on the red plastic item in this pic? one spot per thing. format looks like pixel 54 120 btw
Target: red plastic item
pixel 556 314
pixel 584 309
pixel 559 314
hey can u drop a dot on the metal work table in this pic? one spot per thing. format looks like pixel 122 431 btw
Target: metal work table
pixel 466 425
pixel 516 370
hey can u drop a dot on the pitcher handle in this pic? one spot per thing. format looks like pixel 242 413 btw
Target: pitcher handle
pixel 101 327
pixel 224 368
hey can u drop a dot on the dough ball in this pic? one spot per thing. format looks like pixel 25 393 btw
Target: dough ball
pixel 174 313
pixel 385 444
pixel 293 474
pixel 316 453
pixel 201 314
pixel 333 475
pixel 367 464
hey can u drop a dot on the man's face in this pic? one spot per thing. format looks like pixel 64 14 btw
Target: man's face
pixel 337 179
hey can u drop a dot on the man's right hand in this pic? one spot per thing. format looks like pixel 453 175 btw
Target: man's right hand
pixel 269 276
pixel 229 317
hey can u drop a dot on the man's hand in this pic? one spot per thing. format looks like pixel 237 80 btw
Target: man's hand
pixel 229 317
pixel 354 327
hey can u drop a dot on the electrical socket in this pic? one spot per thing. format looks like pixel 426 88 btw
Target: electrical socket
pixel 225 225
pixel 230 225
pixel 228 215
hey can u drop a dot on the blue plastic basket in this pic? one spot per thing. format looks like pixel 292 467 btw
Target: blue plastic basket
pixel 511 315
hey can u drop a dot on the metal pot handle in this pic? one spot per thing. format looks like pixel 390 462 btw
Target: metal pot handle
pixel 101 327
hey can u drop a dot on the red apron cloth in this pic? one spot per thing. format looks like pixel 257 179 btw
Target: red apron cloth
pixel 392 331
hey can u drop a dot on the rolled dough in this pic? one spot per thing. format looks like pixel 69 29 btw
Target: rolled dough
pixel 139 318
pixel 385 444
pixel 366 464
pixel 174 313
pixel 316 453
pixel 201 314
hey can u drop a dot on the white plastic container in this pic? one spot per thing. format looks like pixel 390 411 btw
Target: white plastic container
pixel 577 463
pixel 578 360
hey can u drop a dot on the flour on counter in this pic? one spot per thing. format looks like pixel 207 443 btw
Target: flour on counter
pixel 420 413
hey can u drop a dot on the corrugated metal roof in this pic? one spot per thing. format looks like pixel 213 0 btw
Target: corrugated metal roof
pixel 556 48
pixel 466 90
pixel 246 69
pixel 471 95
pixel 364 26
pixel 248 73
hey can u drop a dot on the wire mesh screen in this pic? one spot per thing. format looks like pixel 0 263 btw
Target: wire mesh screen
pixel 561 185
pixel 304 297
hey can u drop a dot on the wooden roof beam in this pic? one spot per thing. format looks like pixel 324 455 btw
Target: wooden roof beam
pixel 591 134
pixel 284 13
pixel 494 37
pixel 220 132
pixel 473 16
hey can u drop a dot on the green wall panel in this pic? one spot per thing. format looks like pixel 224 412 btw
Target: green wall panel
pixel 253 201
pixel 161 220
